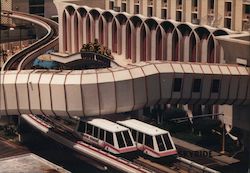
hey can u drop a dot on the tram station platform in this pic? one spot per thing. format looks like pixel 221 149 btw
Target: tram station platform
pixel 221 158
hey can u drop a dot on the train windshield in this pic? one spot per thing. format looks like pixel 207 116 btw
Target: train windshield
pixel 160 143
pixel 167 141
pixel 124 139
pixel 163 142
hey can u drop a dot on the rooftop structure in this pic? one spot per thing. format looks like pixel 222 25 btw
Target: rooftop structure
pixel 107 125
pixel 143 127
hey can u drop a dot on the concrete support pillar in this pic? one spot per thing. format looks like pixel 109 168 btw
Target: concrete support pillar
pixel 203 12
pixel 237 13
pixel 157 8
pixel 186 11
pixel 131 7
pixel 144 7
pixel 172 8
pixel 219 12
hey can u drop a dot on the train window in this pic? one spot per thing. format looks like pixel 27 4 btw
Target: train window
pixel 160 143
pixel 177 84
pixel 196 85
pixel 89 129
pixel 149 141
pixel 215 86
pixel 101 134
pixel 127 138
pixel 133 134
pixel 109 138
pixel 140 138
pixel 96 132
pixel 167 141
pixel 120 140
pixel 81 127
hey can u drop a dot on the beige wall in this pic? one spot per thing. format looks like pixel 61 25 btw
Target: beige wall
pixel 21 5
pixel 219 11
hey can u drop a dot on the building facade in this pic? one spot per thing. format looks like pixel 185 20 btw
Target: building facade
pixel 136 37
pixel 231 14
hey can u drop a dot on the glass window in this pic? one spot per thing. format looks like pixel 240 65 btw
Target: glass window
pixel 111 5
pixel 177 84
pixel 150 11
pixel 36 2
pixel 89 129
pixel 101 134
pixel 124 7
pixel 133 134
pixel 137 9
pixel 160 143
pixel 109 138
pixel 215 86
pixel 140 138
pixel 167 141
pixel 81 127
pixel 120 140
pixel 149 141
pixel 96 132
pixel 197 85
pixel 127 138
pixel 164 13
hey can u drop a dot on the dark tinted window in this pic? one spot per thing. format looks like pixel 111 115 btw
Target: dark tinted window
pixel 140 138
pixel 89 129
pixel 150 11
pixel 81 127
pixel 137 9
pixel 177 84
pixel 149 141
pixel 123 8
pixel 109 138
pixel 133 134
pixel 197 85
pixel 36 2
pixel 120 140
pixel 167 142
pixel 101 134
pixel 215 86
pixel 160 143
pixel 36 10
pixel 96 132
pixel 127 138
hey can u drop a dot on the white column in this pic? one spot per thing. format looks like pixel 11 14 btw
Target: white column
pixel 169 46
pixel 124 40
pixel 137 44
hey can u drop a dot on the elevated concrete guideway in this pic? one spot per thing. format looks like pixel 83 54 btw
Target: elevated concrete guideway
pixel 121 89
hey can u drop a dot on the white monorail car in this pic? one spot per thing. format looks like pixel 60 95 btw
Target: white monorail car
pixel 107 135
pixel 152 140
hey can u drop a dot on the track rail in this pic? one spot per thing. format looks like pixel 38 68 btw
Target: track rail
pixel 180 165
pixel 24 58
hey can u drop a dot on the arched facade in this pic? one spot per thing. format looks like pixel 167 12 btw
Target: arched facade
pixel 140 38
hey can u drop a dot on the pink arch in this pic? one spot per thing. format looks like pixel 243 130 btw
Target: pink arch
pixel 175 46
pixel 143 43
pixel 159 53
pixel 192 48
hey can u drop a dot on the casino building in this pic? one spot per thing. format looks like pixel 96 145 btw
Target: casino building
pixel 138 38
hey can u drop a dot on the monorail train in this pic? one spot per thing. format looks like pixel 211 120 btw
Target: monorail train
pixel 106 135
pixel 152 140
